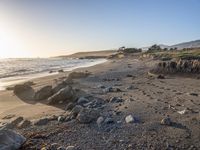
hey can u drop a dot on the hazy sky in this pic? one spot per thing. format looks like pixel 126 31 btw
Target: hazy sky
pixel 42 28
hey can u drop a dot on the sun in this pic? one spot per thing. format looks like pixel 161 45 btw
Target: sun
pixel 10 45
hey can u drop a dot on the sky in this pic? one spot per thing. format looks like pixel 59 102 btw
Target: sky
pixel 44 28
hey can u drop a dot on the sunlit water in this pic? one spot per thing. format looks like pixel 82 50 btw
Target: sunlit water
pixel 13 71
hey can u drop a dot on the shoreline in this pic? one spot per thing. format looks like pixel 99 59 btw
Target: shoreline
pixel 11 81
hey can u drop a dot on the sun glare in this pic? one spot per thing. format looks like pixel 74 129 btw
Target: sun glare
pixel 10 45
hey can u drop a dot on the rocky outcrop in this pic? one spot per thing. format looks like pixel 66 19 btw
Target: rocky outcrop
pixel 20 88
pixel 10 140
pixel 43 93
pixel 66 94
pixel 179 66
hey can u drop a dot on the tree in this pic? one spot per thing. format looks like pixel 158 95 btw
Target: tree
pixel 154 48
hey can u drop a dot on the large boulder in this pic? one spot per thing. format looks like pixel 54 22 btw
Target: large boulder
pixel 66 94
pixel 43 93
pixel 58 86
pixel 88 115
pixel 20 88
pixel 10 140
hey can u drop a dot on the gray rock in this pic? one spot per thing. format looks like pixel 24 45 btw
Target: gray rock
pixel 76 110
pixel 20 88
pixel 130 87
pixel 109 120
pixel 43 93
pixel 82 100
pixel 70 106
pixel 100 121
pixel 131 119
pixel 24 124
pixel 58 86
pixel 10 140
pixel 166 121
pixel 41 122
pixel 14 123
pixel 70 148
pixel 61 148
pixel 66 94
pixel 61 119
pixel 116 100
pixel 87 115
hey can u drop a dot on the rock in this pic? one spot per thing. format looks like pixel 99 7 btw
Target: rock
pixel 130 87
pixel 109 120
pixel 14 123
pixel 116 100
pixel 101 86
pixel 111 89
pixel 61 119
pixel 182 112
pixel 41 122
pixel 57 87
pixel 76 110
pixel 24 124
pixel 61 148
pixel 70 106
pixel 76 75
pixel 43 93
pixel 87 115
pixel 70 148
pixel 193 94
pixel 60 71
pixel 129 75
pixel 82 100
pixel 131 119
pixel 100 121
pixel 20 88
pixel 166 121
pixel 66 94
pixel 10 140
pixel 160 76
pixel 108 89
pixel 54 146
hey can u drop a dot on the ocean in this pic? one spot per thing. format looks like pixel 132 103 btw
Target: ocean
pixel 13 71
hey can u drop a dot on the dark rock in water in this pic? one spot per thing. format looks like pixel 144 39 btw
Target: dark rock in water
pixel 82 100
pixel 10 140
pixel 20 88
pixel 166 121
pixel 87 115
pixel 43 93
pixel 66 95
pixel 61 71
pixel 41 122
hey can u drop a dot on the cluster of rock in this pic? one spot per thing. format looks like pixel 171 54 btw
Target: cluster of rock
pixel 179 66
